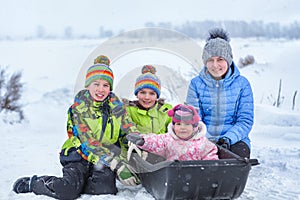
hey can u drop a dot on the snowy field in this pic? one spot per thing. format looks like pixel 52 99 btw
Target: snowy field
pixel 50 69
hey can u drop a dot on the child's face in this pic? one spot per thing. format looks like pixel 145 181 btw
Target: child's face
pixel 147 97
pixel 99 89
pixel 183 130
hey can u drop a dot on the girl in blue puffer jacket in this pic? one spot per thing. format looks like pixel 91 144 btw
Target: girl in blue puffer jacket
pixel 223 96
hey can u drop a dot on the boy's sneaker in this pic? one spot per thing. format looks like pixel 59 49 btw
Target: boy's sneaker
pixel 24 184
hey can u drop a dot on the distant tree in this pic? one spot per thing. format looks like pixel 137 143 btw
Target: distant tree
pixel 68 32
pixel 294 30
pixel 149 24
pixel 10 95
pixel 104 33
pixel 40 31
pixel 167 25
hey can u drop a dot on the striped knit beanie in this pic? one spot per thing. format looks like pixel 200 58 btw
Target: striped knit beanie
pixel 100 70
pixel 217 44
pixel 148 79
pixel 185 114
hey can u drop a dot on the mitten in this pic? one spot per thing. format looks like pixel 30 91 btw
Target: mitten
pixel 124 174
pixel 135 138
pixel 224 142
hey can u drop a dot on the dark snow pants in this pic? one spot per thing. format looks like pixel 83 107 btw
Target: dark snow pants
pixel 78 178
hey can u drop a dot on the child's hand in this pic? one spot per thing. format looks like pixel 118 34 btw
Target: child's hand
pixel 135 138
pixel 125 175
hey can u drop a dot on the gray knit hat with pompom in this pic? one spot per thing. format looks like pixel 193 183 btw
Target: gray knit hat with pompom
pixel 217 44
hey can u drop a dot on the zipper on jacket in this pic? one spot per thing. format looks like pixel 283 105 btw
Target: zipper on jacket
pixel 218 107
pixel 105 118
pixel 112 127
pixel 152 124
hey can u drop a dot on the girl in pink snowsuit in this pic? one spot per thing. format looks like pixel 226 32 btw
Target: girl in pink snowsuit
pixel 185 139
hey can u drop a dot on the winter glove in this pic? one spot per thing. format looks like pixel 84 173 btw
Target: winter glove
pixel 224 142
pixel 135 138
pixel 125 175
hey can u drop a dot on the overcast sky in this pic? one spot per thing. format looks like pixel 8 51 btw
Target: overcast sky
pixel 23 17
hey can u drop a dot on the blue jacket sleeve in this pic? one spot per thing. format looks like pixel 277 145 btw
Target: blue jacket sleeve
pixel 244 116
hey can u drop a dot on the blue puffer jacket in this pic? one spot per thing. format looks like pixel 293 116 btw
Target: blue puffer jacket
pixel 225 106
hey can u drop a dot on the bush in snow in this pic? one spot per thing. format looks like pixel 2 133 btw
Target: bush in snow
pixel 248 60
pixel 10 95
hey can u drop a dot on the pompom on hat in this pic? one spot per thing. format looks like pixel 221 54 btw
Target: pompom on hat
pixel 184 113
pixel 102 59
pixel 148 79
pixel 217 44
pixel 100 70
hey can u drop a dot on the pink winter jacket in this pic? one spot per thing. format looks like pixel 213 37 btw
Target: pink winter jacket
pixel 172 148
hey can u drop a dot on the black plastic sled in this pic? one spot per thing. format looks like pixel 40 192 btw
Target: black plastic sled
pixel 203 179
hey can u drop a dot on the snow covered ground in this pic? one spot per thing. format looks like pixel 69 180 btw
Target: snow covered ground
pixel 50 68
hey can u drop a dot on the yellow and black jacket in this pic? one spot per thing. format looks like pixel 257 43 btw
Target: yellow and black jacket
pixel 96 128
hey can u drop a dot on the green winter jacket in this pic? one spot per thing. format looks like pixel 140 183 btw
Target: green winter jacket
pixel 154 120
pixel 95 129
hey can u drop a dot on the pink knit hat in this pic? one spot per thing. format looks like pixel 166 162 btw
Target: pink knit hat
pixel 184 113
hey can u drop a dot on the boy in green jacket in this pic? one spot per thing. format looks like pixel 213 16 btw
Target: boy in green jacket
pixel 149 112
pixel 92 155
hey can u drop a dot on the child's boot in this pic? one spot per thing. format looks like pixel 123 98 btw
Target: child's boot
pixel 24 184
